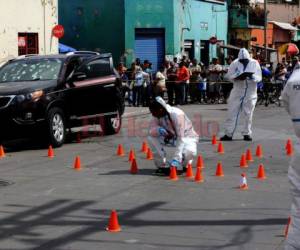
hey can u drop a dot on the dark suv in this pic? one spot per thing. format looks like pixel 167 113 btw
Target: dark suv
pixel 46 95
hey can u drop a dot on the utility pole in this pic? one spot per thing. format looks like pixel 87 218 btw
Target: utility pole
pixel 265 29
pixel 44 21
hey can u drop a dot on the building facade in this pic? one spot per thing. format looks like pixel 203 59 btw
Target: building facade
pixel 96 25
pixel 170 28
pixel 281 11
pixel 145 29
pixel 26 28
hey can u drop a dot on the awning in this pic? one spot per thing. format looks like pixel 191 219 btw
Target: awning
pixel 284 26
pixel 262 47
pixel 65 49
pixel 229 46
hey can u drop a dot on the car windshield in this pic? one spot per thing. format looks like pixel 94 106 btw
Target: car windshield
pixel 31 70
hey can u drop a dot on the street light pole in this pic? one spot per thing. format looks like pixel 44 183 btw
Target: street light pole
pixel 265 28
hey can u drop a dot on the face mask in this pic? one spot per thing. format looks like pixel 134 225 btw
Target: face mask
pixel 244 62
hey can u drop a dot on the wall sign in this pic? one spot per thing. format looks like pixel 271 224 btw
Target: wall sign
pixel 21 41
pixel 58 31
pixel 204 25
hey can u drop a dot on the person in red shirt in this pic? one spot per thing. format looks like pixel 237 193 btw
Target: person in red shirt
pixel 183 75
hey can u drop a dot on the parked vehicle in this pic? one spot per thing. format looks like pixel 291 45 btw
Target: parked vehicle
pixel 47 95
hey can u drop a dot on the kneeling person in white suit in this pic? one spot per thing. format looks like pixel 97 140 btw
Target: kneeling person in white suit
pixel 171 127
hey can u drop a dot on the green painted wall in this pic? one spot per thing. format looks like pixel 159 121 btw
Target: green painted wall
pixel 96 25
pixel 109 25
pixel 148 14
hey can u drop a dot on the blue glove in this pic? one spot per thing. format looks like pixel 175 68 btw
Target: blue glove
pixel 175 163
pixel 162 131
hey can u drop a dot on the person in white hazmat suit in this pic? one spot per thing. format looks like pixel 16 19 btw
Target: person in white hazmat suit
pixel 171 127
pixel 244 73
pixel 291 100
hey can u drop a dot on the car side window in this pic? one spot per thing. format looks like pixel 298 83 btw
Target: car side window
pixel 97 68
pixel 72 67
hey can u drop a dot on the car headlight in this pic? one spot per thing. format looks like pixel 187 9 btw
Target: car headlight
pixel 20 98
pixel 34 95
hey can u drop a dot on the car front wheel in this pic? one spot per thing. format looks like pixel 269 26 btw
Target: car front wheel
pixel 56 127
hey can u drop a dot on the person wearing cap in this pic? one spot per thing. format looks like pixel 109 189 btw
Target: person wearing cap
pixel 291 101
pixel 295 64
pixel 170 126
pixel 244 73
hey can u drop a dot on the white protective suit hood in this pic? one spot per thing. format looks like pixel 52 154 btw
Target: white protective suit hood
pixel 243 54
pixel 237 68
pixel 164 104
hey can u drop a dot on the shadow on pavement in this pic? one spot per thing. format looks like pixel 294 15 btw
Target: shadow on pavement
pixel 25 227
pixel 127 172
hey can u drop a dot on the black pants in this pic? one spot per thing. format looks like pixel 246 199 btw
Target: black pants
pixel 180 93
pixel 186 92
pixel 194 92
pixel 137 95
pixel 147 94
pixel 171 91
pixel 226 89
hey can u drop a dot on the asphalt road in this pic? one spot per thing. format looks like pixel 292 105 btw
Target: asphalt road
pixel 45 204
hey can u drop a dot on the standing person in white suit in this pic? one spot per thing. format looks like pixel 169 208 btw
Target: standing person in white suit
pixel 244 73
pixel 291 100
pixel 171 127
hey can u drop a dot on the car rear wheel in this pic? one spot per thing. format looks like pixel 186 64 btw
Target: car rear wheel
pixel 56 127
pixel 113 123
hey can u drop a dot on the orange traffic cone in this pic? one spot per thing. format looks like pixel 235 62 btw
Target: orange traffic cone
pixel 259 151
pixel 113 225
pixel 199 176
pixel 134 167
pixel 131 155
pixel 149 154
pixel 50 152
pixel 219 171
pixel 214 140
pixel 2 153
pixel 243 182
pixel 173 174
pixel 288 143
pixel 243 161
pixel 286 231
pixel 120 150
pixel 144 148
pixel 289 149
pixel 77 163
pixel 220 148
pixel 200 163
pixel 261 172
pixel 189 171
pixel 249 155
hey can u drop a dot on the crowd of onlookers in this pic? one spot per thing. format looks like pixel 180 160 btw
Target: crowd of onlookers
pixel 188 81
pixel 181 81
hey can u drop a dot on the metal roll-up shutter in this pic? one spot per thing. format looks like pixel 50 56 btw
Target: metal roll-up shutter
pixel 150 45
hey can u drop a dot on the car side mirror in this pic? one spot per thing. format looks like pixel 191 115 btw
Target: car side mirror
pixel 79 76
